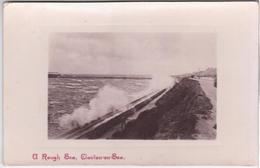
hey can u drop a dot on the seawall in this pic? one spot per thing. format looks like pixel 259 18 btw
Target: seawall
pixel 176 116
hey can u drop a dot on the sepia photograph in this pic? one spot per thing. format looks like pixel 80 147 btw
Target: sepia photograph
pixel 132 86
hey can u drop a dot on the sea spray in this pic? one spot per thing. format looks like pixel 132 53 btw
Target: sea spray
pixel 158 82
pixel 161 81
pixel 108 99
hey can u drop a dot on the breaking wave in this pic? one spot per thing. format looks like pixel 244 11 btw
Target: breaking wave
pixel 108 99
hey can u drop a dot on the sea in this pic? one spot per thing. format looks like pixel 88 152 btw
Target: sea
pixel 70 93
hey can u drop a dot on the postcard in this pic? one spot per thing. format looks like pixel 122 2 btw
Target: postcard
pixel 131 83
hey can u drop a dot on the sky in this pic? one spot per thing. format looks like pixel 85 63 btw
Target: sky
pixel 131 53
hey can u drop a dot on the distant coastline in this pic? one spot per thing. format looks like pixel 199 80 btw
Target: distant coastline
pixel 209 72
pixel 96 76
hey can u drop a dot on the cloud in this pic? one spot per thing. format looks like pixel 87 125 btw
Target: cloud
pixel 131 53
